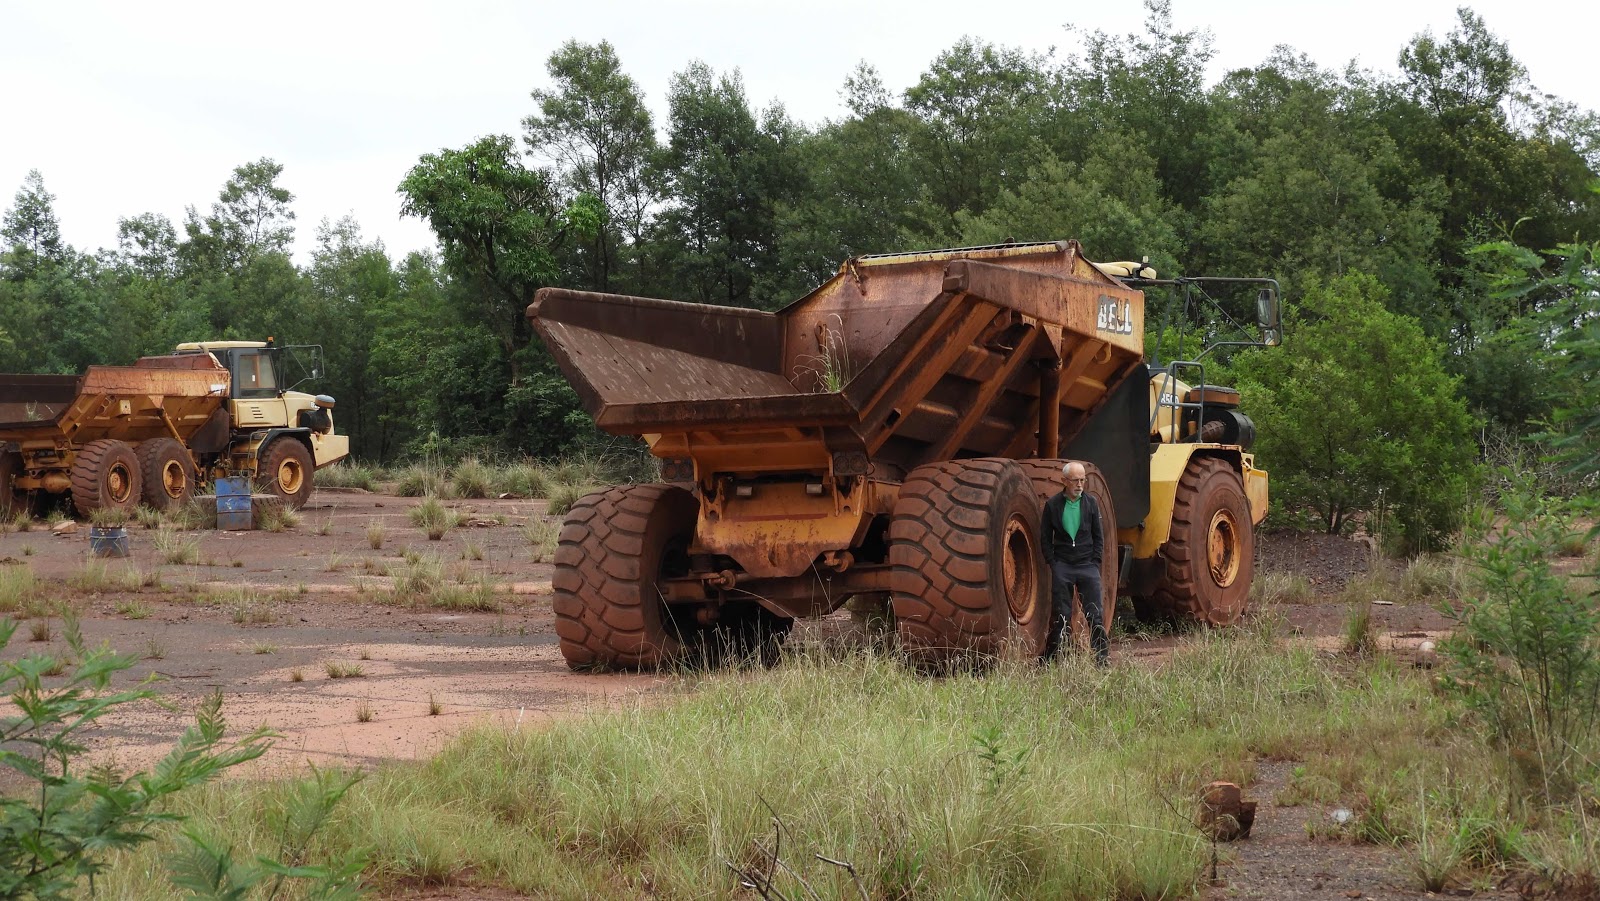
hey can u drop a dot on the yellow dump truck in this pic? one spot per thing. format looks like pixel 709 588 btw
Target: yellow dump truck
pixel 160 430
pixel 892 436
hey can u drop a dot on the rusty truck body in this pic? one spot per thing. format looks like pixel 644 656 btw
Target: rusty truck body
pixel 158 431
pixel 891 437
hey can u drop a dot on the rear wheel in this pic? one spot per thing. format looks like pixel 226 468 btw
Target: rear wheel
pixel 1210 558
pixel 168 473
pixel 615 545
pixel 967 577
pixel 1048 481
pixel 285 469
pixel 105 475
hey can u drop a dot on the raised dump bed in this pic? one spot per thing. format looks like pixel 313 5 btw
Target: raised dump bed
pixel 907 358
pixel 916 406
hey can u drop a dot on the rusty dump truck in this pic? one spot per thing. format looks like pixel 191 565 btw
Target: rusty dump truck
pixel 161 430
pixel 891 437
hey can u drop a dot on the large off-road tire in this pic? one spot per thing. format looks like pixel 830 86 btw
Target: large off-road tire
pixel 967 578
pixel 168 473
pixel 614 546
pixel 1210 556
pixel 1048 481
pixel 286 470
pixel 105 475
pixel 12 501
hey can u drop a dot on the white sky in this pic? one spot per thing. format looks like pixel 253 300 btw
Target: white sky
pixel 132 107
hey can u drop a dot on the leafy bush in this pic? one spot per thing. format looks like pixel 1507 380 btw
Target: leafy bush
pixel 1357 415
pixel 60 832
pixel 1526 655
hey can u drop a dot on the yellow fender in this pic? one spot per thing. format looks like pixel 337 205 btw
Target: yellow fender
pixel 1166 467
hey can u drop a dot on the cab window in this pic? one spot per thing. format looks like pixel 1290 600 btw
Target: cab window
pixel 253 375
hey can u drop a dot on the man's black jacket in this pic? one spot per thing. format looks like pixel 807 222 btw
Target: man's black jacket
pixel 1090 543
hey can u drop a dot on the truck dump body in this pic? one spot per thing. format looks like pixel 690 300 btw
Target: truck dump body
pixel 902 359
pixel 157 396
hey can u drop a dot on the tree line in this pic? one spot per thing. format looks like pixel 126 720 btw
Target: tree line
pixel 1435 206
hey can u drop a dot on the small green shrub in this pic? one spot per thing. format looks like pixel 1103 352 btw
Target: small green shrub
pixel 421 481
pixel 1360 638
pixel 18 588
pixel 565 494
pixel 1525 656
pixel 471 479
pixel 434 518
pixel 523 480
pixel 336 670
pixel 348 474
pixel 1273 588
pixel 276 517
pixel 56 837
pixel 541 535
pixel 174 548
pixel 1429 579
pixel 109 517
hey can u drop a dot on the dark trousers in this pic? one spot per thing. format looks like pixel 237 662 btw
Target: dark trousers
pixel 1086 578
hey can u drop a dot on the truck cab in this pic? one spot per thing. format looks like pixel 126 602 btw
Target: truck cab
pixel 261 403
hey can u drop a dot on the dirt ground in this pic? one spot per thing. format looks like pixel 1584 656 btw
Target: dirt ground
pixel 267 617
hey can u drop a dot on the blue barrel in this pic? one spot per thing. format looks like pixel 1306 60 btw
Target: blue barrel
pixel 233 504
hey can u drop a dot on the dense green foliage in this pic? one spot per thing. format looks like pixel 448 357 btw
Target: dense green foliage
pixel 1362 416
pixel 1283 169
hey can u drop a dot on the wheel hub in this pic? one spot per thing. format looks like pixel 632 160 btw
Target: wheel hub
pixel 1019 570
pixel 119 486
pixel 173 479
pixel 289 476
pixel 1223 548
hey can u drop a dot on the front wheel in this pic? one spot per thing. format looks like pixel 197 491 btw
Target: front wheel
pixel 1210 557
pixel 285 469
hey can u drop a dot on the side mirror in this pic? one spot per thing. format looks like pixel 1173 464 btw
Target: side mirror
pixel 1267 317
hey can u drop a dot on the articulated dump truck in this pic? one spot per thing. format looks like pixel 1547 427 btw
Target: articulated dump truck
pixel 164 428
pixel 892 437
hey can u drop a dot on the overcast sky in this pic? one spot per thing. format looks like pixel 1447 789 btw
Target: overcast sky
pixel 146 107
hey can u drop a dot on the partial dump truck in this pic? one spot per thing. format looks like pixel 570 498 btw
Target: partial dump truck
pixel 891 437
pixel 165 428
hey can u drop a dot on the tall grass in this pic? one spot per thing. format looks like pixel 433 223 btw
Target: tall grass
pixel 423 584
pixel 348 474
pixel 473 477
pixel 996 786
pixel 18 588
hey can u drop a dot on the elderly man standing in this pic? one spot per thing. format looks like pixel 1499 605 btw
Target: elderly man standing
pixel 1074 542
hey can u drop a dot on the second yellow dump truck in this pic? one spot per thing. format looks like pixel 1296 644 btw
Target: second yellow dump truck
pixel 159 431
pixel 892 436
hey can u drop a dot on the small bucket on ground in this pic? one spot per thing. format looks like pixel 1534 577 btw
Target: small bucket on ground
pixel 109 541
